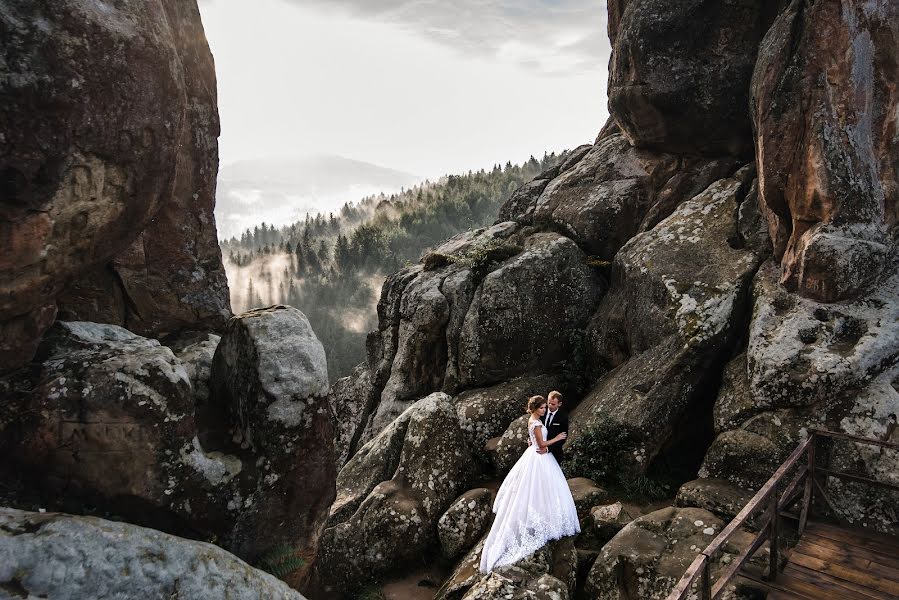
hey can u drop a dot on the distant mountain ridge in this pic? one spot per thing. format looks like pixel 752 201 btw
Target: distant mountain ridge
pixel 282 190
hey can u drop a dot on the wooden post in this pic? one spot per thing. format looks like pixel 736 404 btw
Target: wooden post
pixel 705 581
pixel 773 537
pixel 808 494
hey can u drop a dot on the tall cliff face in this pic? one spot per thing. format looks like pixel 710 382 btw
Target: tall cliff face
pixel 709 279
pixel 108 160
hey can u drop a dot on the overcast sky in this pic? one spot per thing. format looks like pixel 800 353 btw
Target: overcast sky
pixel 424 86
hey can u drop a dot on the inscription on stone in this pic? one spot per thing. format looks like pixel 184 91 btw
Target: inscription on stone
pixel 100 437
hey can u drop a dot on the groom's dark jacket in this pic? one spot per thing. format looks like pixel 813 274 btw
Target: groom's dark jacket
pixel 558 425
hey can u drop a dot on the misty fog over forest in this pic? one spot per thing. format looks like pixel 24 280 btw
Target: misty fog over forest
pixel 331 266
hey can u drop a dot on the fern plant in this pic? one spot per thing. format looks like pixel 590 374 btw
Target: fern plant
pixel 280 561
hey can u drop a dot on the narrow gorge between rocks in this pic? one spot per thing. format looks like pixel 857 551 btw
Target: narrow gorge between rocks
pixel 710 280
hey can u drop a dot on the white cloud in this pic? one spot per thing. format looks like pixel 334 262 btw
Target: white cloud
pixel 552 36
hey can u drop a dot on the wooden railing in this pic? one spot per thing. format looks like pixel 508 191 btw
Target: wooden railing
pixel 773 501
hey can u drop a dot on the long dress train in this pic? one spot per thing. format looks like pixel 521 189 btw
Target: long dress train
pixel 533 506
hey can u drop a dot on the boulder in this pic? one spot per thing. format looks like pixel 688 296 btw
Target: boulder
pixel 550 573
pixel 465 522
pixel 505 450
pixel 513 324
pixel 647 558
pixel 586 495
pixel 680 71
pixel 196 351
pixel 464 576
pixel 670 318
pixel 51 555
pixel 717 496
pixel 270 375
pixel 416 348
pixel 521 203
pixel 609 519
pixel 104 417
pixel 517 584
pixel 616 190
pixel 456 321
pixel 748 455
pixel 113 420
pixel 352 399
pixel 391 495
pixel 75 195
pixel 823 107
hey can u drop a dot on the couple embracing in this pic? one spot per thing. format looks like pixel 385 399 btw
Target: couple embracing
pixel 533 505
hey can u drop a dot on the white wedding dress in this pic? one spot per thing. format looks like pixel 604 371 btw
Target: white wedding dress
pixel 533 506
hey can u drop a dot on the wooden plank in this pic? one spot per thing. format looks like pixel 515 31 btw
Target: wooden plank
pixel 785 595
pixel 797 573
pixel 821 588
pixel 875 541
pixel 860 479
pixel 855 438
pixel 807 498
pixel 793 488
pixel 735 565
pixel 874 552
pixel 847 573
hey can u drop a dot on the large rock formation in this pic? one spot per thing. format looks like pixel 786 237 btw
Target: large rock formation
pixel 680 71
pixel 677 293
pixel 108 420
pixel 270 376
pixel 392 493
pixel 482 308
pixel 647 557
pixel 61 556
pixel 824 103
pixel 100 148
pixel 810 364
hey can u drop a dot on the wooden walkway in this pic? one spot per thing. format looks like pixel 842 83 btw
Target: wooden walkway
pixel 831 562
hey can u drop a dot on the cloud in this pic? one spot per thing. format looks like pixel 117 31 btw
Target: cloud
pixel 552 36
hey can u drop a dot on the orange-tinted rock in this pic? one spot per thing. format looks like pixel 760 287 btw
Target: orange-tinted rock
pixel 824 104
pixel 110 124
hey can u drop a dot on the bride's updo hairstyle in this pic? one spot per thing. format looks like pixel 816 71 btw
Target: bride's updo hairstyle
pixel 535 402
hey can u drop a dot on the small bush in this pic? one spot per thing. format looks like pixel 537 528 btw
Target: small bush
pixel 280 561
pixel 600 454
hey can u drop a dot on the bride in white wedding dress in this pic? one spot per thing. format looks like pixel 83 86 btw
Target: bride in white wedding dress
pixel 533 505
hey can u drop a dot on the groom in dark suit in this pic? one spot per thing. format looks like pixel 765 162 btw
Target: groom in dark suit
pixel 556 421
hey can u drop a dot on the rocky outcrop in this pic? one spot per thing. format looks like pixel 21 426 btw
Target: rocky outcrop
pixel 105 419
pixel 548 573
pixel 824 102
pixel 61 556
pixel 677 294
pixel 96 145
pixel 810 364
pixel 465 522
pixel 616 190
pixel 270 375
pixel 352 399
pixel 648 556
pixel 111 421
pixel 391 494
pixel 680 71
pixel 516 316
pixel 482 308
